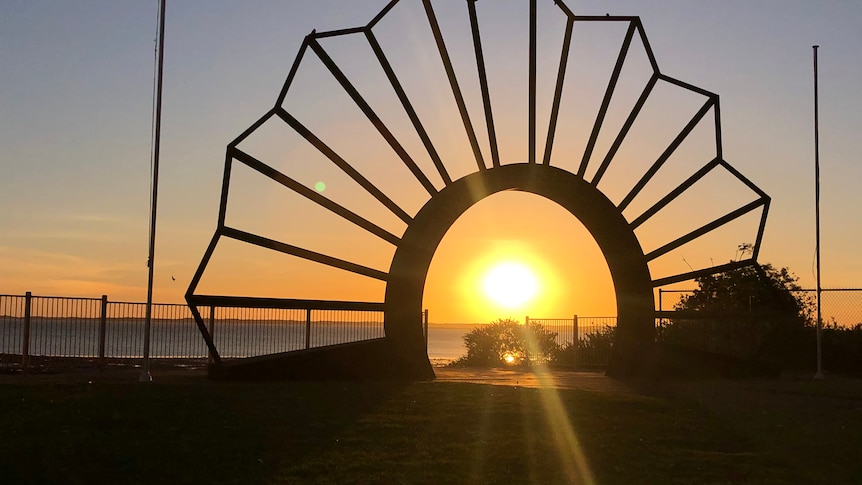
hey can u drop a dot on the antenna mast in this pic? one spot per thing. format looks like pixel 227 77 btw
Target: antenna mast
pixel 819 374
pixel 145 370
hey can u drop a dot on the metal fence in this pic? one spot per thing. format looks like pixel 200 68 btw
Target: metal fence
pixel 744 335
pixel 32 327
pixel 584 341
pixel 103 330
pixel 840 307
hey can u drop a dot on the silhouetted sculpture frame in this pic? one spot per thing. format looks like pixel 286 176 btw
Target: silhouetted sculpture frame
pixel 626 260
pixel 402 352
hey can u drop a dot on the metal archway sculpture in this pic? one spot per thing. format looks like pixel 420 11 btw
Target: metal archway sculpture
pixel 402 352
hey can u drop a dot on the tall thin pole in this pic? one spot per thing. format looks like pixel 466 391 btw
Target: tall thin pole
pixel 145 371
pixel 819 374
pixel 531 115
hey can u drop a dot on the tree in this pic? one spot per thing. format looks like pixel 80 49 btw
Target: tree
pixel 751 288
pixel 506 342
pixel 753 311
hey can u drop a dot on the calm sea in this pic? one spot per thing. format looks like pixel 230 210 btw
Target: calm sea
pixel 180 338
pixel 446 342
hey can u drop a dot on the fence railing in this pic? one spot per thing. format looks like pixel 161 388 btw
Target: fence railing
pixel 839 306
pixel 584 341
pixel 96 328
pixel 103 330
pixel 753 331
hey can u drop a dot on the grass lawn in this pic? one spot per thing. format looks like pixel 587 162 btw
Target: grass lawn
pixel 190 430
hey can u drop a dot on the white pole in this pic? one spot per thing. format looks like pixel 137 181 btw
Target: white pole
pixel 145 370
pixel 819 373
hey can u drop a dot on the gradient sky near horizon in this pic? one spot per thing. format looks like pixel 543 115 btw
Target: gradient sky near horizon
pixel 75 114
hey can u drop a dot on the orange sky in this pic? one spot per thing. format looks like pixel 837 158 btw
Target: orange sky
pixel 75 189
pixel 573 277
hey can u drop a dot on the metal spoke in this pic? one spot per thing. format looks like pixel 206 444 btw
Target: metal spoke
pixel 453 83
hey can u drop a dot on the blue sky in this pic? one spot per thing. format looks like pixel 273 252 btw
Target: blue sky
pixel 75 100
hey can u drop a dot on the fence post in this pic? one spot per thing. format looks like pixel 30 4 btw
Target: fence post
pixel 575 341
pixel 212 334
pixel 660 309
pixel 25 338
pixel 308 328
pixel 103 321
pixel 425 327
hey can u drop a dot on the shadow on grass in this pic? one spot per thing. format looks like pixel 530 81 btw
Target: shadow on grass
pixel 193 431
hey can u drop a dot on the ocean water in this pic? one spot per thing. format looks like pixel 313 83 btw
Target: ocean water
pixel 446 342
pixel 124 338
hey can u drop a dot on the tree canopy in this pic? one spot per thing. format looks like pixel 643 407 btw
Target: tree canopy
pixel 762 291
pixel 753 311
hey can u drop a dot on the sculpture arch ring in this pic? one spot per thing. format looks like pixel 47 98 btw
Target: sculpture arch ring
pixel 614 235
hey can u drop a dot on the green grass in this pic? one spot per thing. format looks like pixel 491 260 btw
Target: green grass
pixel 189 430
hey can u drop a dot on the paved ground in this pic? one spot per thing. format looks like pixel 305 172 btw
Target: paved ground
pixel 558 379
pixel 596 381
pixel 720 395
pixel 111 373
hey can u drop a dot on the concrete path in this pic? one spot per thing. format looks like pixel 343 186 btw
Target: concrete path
pixel 557 379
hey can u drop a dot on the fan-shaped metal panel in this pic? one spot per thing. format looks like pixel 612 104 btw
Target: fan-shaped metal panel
pixel 412 192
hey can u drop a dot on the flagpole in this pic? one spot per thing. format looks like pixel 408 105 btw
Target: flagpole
pixel 819 373
pixel 145 370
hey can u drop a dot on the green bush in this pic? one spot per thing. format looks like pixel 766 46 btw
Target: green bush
pixel 749 312
pixel 593 349
pixel 842 349
pixel 505 342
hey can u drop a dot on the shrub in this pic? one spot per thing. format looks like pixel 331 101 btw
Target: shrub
pixel 593 349
pixel 506 342
pixel 842 349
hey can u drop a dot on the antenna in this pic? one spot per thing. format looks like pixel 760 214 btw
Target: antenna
pixel 819 374
pixel 145 370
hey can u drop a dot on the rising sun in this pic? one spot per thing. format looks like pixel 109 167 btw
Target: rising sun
pixel 510 284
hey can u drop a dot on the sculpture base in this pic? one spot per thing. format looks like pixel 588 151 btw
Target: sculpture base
pixel 366 360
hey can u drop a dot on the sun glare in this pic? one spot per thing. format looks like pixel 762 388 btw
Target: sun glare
pixel 510 284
